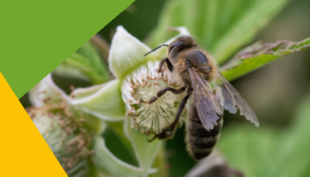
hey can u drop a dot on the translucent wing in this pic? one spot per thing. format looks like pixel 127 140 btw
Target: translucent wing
pixel 231 100
pixel 208 107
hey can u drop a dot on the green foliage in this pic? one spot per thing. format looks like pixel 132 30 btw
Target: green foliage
pixel 87 62
pixel 267 152
pixel 220 26
pixel 145 151
pixel 258 55
pixel 108 165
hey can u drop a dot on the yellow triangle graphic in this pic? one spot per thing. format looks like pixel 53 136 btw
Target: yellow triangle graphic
pixel 23 151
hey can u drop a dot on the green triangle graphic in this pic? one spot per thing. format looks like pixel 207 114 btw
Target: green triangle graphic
pixel 36 36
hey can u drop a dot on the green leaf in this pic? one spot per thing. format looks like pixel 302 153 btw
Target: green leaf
pixel 93 70
pixel 220 26
pixel 292 157
pixel 118 128
pixel 106 103
pixel 70 72
pixel 85 63
pixel 89 52
pixel 145 151
pixel 109 165
pixel 258 55
pixel 267 152
pixel 249 149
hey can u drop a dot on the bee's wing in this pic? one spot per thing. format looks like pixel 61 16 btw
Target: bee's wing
pixel 207 105
pixel 231 100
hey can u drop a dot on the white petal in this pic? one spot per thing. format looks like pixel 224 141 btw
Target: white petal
pixel 81 93
pixel 126 52
pixel 106 103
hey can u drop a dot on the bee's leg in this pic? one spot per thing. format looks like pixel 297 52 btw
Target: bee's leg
pixel 170 130
pixel 161 64
pixel 162 92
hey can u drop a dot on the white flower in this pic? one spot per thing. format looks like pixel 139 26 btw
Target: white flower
pixel 140 80
pixel 144 83
pixel 56 114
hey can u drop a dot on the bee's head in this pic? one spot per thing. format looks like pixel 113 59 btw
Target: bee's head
pixel 181 43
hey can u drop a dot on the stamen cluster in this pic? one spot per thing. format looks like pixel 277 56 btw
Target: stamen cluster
pixel 144 83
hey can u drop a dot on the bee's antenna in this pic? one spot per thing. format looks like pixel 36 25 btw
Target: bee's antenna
pixel 156 49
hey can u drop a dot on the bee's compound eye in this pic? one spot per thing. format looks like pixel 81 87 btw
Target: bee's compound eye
pixel 175 44
pixel 188 64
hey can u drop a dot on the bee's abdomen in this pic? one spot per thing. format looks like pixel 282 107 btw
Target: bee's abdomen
pixel 200 142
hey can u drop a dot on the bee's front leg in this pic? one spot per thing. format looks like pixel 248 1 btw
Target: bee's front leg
pixel 161 65
pixel 170 130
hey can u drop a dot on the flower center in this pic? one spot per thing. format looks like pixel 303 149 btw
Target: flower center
pixel 144 83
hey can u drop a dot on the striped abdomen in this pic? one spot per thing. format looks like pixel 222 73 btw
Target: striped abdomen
pixel 200 142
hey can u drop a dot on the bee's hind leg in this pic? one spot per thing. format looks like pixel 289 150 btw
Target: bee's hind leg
pixel 170 130
pixel 162 92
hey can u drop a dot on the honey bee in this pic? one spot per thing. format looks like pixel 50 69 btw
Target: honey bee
pixel 209 91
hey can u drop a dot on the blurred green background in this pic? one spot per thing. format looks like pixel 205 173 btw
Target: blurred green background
pixel 274 91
